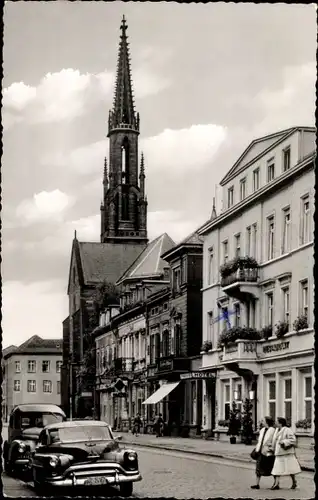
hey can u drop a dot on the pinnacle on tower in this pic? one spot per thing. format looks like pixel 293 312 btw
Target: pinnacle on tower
pixel 123 112
pixel 213 214
pixel 142 165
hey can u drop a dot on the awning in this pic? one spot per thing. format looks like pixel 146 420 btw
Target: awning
pixel 161 393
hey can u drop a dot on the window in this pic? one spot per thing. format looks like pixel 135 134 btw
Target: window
pixel 31 386
pixel 242 189
pixel 227 401
pixel 165 343
pixel 184 270
pixel 176 279
pixel 210 332
pixel 272 399
pixel 286 304
pixel 255 180
pixel 225 251
pixel 308 397
pixel 47 386
pixel 225 317
pixel 286 159
pixel 270 237
pixel 17 385
pixel 248 240
pixel 305 221
pixel 304 298
pixel 288 400
pixel 238 395
pixel 230 197
pixel 46 366
pixel 254 241
pixel 58 366
pixel 177 330
pixel 237 238
pixel 270 170
pixel 286 230
pixel 210 270
pixel 270 309
pixel 17 365
pixel 237 314
pixel 31 366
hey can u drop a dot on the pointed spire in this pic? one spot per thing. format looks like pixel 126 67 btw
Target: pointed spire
pixel 213 214
pixel 75 236
pixel 123 112
pixel 142 165
pixel 105 170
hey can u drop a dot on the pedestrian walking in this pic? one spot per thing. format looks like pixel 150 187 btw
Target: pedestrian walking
pixel 263 451
pixel 159 425
pixel 286 463
pixel 137 425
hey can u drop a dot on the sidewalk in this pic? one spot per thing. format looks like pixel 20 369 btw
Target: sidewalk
pixel 221 449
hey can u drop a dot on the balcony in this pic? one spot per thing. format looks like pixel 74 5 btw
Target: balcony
pixel 240 278
pixel 172 364
pixel 245 357
pixel 123 366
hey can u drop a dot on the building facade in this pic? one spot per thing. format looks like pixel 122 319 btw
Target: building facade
pixel 258 285
pixel 123 236
pixel 32 373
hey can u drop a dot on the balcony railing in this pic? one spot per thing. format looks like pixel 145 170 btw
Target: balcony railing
pixel 242 276
pixel 124 364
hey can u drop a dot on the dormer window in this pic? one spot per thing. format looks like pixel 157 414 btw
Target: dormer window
pixel 286 159
pixel 176 279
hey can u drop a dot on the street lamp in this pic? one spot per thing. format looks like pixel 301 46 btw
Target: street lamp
pixel 252 395
pixel 235 395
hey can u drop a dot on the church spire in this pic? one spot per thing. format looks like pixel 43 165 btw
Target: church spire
pixel 123 113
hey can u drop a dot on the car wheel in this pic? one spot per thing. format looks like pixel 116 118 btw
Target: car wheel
pixel 126 489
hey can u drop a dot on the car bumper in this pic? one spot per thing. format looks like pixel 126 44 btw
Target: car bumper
pixel 74 480
pixel 22 462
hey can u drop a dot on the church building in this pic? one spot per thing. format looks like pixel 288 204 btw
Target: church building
pixel 123 233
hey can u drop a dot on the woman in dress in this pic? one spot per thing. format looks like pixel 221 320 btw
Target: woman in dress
pixel 286 463
pixel 265 460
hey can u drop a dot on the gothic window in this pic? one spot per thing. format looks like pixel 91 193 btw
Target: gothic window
pixel 125 160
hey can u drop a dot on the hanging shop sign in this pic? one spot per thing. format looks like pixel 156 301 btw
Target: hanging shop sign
pixel 197 375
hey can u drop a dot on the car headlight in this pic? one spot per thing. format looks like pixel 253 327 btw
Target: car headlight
pixel 131 455
pixel 22 448
pixel 54 461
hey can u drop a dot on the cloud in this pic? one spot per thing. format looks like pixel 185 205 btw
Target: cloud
pixel 46 299
pixel 171 150
pixel 68 94
pixel 171 222
pixel 44 205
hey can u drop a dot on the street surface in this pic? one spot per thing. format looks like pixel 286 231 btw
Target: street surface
pixel 182 475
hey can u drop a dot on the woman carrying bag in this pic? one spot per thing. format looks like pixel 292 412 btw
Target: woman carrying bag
pixel 286 463
pixel 263 453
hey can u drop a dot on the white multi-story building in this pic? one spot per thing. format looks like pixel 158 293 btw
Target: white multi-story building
pixel 258 273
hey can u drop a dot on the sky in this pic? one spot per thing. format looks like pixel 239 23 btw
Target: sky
pixel 208 79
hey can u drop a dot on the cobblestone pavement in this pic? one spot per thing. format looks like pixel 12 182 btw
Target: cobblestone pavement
pixel 222 449
pixel 185 475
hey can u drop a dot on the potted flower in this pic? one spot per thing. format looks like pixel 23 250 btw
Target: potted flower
pixel 247 422
pixel 301 323
pixel 206 346
pixel 282 327
pixel 234 424
pixel 303 424
pixel 266 332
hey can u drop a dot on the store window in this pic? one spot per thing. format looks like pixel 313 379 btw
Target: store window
pixel 272 398
pixel 227 401
pixel 288 400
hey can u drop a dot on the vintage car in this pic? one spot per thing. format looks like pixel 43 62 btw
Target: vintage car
pixel 82 454
pixel 25 425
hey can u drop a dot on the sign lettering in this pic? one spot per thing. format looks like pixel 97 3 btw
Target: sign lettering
pixel 197 375
pixel 276 347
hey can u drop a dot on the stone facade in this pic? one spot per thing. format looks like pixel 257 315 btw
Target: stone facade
pixel 271 224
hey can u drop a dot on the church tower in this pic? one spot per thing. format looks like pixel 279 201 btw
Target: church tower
pixel 124 205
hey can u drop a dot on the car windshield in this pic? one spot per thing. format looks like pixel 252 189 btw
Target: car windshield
pixel 39 419
pixel 80 433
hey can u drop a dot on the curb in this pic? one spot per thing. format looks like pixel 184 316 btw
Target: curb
pixel 204 453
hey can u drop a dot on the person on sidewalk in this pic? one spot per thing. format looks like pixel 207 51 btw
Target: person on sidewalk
pixel 266 457
pixel 286 463
pixel 159 425
pixel 137 425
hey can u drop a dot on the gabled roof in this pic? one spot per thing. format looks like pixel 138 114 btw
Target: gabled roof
pixel 149 263
pixel 8 350
pixel 37 345
pixel 193 240
pixel 97 262
pixel 258 147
